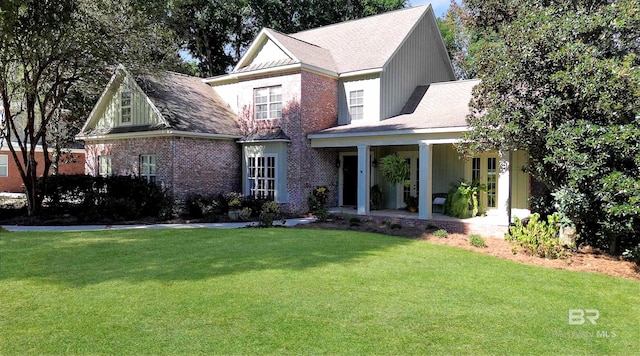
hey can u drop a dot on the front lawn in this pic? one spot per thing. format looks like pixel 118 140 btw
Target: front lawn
pixel 295 291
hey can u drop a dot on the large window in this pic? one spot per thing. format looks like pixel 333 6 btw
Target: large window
pixel 356 104
pixel 475 170
pixel 104 166
pixel 4 166
pixel 262 176
pixel 148 168
pixel 125 107
pixel 268 103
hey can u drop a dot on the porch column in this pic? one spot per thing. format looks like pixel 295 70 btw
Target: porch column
pixel 504 186
pixel 425 201
pixel 363 179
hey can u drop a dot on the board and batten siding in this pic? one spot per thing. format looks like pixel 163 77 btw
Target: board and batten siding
pixel 141 111
pixel 370 85
pixel 420 60
pixel 448 168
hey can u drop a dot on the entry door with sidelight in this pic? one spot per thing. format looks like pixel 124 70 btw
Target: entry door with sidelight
pixel 484 170
pixel 404 190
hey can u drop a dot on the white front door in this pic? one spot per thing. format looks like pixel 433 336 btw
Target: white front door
pixel 412 188
pixel 484 170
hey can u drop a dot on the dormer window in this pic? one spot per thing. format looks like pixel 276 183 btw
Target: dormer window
pixel 268 102
pixel 356 104
pixel 125 107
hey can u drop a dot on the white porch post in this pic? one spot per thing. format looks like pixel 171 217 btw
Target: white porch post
pixel 425 201
pixel 504 185
pixel 363 179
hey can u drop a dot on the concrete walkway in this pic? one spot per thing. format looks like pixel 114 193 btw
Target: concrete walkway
pixel 288 222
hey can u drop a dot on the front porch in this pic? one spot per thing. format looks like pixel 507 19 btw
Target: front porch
pixel 488 226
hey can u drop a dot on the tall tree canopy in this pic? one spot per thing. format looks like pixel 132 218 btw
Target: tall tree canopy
pixel 561 79
pixel 217 32
pixel 51 47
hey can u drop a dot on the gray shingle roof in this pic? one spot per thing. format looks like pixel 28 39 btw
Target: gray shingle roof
pixel 190 105
pixel 442 105
pixel 364 43
pixel 307 53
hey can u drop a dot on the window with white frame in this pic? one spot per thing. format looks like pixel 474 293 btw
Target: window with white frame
pixel 4 165
pixel 262 176
pixel 148 168
pixel 475 170
pixel 125 107
pixel 268 102
pixel 104 166
pixel 492 182
pixel 356 104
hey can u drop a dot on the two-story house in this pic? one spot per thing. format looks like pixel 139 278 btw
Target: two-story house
pixel 318 107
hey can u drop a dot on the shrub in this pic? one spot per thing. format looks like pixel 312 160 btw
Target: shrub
pixel 442 233
pixel 462 200
pixel 322 213
pixel 114 198
pixel 268 213
pixel 538 237
pixel 477 241
pixel 431 227
pixel 632 255
pixel 354 221
pixel 200 206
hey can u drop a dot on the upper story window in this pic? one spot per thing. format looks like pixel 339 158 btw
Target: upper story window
pixel 356 104
pixel 4 166
pixel 148 168
pixel 268 102
pixel 104 166
pixel 125 107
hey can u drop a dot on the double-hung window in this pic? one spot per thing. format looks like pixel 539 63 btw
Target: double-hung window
pixel 4 166
pixel 262 176
pixel 356 104
pixel 148 168
pixel 268 102
pixel 125 107
pixel 104 166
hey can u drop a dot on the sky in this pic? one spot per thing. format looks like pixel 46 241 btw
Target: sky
pixel 439 6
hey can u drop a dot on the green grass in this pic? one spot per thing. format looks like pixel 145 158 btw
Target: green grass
pixel 293 291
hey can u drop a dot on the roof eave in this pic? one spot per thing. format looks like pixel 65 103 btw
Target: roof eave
pixel 156 133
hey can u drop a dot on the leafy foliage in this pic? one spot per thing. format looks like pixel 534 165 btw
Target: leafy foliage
pixel 442 233
pixel 477 241
pixel 394 169
pixel 561 79
pixel 463 201
pixel 270 210
pixel 116 198
pixel 538 237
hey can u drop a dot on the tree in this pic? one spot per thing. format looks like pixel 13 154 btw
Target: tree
pixel 48 48
pixel 217 32
pixel 461 40
pixel 561 80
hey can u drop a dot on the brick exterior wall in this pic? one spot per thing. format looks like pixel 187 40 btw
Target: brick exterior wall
pixel 309 104
pixel 13 182
pixel 184 166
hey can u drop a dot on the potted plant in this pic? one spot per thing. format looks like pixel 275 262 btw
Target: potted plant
pixel 377 197
pixel 412 203
pixel 395 169
pixel 235 209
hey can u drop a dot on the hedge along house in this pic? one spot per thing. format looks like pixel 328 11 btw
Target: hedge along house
pixel 171 129
pixel 321 107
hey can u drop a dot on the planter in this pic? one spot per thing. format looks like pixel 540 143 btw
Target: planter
pixel 234 215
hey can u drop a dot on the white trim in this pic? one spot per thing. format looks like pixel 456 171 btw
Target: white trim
pixel 157 133
pixel 235 77
pixel 360 72
pixel 276 177
pixel 455 129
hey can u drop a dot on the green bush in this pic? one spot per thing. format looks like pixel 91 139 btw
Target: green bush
pixel 477 241
pixel 107 199
pixel 632 255
pixel 442 233
pixel 538 237
pixel 462 200
pixel 322 213
pixel 394 169
pixel 270 210
pixel 354 221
